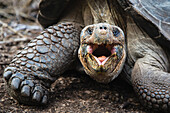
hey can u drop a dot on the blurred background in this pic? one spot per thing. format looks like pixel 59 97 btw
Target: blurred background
pixel 18 25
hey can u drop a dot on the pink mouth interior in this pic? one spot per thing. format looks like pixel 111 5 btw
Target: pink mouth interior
pixel 101 58
pixel 102 53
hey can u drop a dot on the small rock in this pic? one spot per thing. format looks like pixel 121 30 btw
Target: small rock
pixel 63 105
pixel 87 91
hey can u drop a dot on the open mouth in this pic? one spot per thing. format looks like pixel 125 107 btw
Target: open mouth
pixel 103 52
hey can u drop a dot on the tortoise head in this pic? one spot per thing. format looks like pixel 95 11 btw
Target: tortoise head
pixel 102 51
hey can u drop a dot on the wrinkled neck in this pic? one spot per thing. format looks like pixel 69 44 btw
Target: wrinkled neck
pixel 100 11
pixel 104 11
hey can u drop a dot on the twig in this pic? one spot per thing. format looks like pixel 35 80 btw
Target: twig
pixel 27 4
pixel 10 28
pixel 6 13
pixel 26 16
pixel 15 40
pixel 5 63
pixel 16 9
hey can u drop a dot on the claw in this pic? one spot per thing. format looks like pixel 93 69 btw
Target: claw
pixel 45 99
pixel 7 75
pixel 15 83
pixel 38 88
pixel 37 96
pixel 27 82
pixel 25 91
pixel 18 75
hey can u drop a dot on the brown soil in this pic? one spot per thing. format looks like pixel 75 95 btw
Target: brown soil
pixel 79 93
pixel 72 92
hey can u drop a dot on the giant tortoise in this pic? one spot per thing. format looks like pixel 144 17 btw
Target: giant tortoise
pixel 109 37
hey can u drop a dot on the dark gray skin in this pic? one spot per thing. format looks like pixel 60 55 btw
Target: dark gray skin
pixel 31 72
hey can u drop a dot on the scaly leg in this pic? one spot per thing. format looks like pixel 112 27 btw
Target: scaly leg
pixel 33 69
pixel 150 75
pixel 151 81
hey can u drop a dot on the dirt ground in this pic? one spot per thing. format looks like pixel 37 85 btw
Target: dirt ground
pixel 72 92
pixel 79 93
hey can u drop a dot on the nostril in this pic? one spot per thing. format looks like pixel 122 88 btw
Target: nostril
pixel 105 28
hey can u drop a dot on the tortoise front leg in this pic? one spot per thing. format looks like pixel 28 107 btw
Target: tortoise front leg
pixel 151 81
pixel 150 75
pixel 31 72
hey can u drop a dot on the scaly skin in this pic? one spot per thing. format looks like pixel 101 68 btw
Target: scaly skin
pixel 149 65
pixel 33 69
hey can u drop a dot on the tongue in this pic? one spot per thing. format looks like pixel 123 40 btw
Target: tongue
pixel 101 58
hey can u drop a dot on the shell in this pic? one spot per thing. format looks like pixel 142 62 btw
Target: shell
pixel 155 11
pixel 50 11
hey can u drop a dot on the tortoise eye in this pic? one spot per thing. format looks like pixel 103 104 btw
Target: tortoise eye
pixel 90 31
pixel 116 32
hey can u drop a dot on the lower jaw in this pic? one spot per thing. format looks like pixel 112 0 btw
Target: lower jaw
pixel 102 66
pixel 103 75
